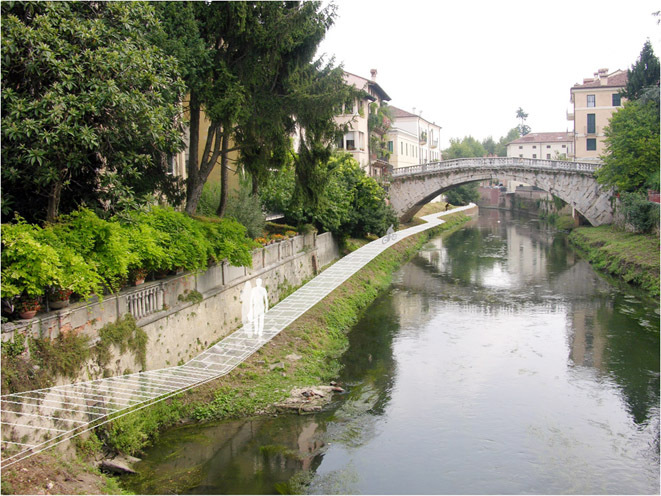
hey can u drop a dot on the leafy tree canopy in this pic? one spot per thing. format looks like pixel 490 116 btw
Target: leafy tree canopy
pixel 643 74
pixel 351 203
pixel 631 161
pixel 90 107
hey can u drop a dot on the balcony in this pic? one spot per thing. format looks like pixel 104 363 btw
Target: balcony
pixel 570 115
pixel 433 143
pixel 423 138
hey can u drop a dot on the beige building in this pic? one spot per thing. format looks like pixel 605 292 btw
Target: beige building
pixel 594 101
pixel 355 113
pixel 550 146
pixel 412 140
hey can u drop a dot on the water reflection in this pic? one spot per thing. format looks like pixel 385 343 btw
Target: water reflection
pixel 499 362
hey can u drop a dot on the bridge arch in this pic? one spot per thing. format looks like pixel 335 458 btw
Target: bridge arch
pixel 574 182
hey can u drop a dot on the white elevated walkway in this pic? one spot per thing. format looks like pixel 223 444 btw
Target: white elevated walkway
pixel 36 420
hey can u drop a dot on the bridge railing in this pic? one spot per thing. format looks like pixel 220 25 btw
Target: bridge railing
pixel 462 163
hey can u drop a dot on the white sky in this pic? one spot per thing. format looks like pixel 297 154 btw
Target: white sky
pixel 468 65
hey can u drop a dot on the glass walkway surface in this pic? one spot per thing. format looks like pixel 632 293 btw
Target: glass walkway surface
pixel 33 421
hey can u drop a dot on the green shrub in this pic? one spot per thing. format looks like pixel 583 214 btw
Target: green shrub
pixel 565 223
pixel 183 238
pixel 28 264
pixel 99 242
pixel 641 214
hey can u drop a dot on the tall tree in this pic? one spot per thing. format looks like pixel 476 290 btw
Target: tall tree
pixel 631 161
pixel 523 127
pixel 90 107
pixel 257 53
pixel 643 75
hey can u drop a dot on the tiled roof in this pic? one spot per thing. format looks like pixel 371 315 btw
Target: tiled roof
pixel 397 112
pixel 543 138
pixel 615 79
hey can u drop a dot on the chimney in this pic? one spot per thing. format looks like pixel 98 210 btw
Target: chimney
pixel 588 80
pixel 373 73
pixel 603 76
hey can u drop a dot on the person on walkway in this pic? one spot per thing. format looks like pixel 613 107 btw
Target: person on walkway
pixel 246 313
pixel 259 304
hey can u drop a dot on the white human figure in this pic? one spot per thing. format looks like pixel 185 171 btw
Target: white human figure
pixel 246 312
pixel 259 304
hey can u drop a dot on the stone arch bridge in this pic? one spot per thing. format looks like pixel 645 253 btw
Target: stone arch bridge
pixel 574 182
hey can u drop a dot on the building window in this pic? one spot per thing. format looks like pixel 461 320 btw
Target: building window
pixel 564 146
pixel 592 144
pixel 591 100
pixel 391 147
pixel 617 100
pixel 520 155
pixel 170 165
pixel 591 124
pixel 548 146
pixel 534 147
pixel 520 147
pixel 548 156
pixel 402 147
pixel 534 155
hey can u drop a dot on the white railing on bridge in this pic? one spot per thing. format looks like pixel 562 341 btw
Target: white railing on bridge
pixel 463 163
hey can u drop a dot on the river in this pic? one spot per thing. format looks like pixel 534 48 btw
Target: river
pixel 498 362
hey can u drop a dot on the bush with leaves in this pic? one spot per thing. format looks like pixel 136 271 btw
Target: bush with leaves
pixel 99 242
pixel 351 203
pixel 639 212
pixel 242 206
pixel 28 264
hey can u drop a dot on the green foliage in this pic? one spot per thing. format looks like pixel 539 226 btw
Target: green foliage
pixel 640 213
pixel 632 145
pixel 64 355
pixel 131 433
pixel 632 257
pixel 124 334
pixel 28 265
pixel 90 107
pixel 227 403
pixel 523 127
pixel 565 223
pixel 643 74
pixel 350 204
pixel 378 123
pixel 466 148
pixel 247 209
pixel 463 195
pixel 191 296
pixel 84 253
pixel 14 347
pixel 102 244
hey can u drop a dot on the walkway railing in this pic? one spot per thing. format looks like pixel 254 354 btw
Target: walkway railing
pixel 476 162
pixel 34 421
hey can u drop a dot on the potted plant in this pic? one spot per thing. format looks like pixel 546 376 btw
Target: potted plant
pixel 58 297
pixel 28 306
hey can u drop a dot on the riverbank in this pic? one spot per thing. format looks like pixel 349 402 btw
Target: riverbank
pixel 306 354
pixel 633 258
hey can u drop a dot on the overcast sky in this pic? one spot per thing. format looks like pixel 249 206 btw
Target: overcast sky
pixel 468 65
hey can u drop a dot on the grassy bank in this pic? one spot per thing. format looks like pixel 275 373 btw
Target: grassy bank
pixel 633 258
pixel 306 353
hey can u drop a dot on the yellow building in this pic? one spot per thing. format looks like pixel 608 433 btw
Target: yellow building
pixel 412 140
pixel 356 113
pixel 594 101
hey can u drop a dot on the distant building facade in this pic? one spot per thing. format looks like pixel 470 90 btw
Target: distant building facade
pixel 355 113
pixel 594 101
pixel 412 140
pixel 550 146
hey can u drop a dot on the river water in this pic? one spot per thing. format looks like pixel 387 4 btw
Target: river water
pixel 498 362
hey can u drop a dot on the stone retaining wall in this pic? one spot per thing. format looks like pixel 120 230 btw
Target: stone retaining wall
pixel 178 326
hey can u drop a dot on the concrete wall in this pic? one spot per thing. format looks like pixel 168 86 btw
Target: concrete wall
pixel 179 329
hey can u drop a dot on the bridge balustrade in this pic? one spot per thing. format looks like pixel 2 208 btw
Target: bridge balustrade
pixel 460 163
